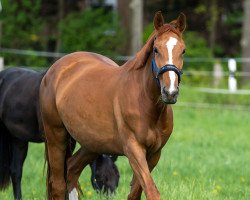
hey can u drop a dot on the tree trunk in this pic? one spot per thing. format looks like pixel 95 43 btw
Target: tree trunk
pixel 60 17
pixel 213 21
pixel 136 7
pixel 0 25
pixel 245 41
pixel 124 14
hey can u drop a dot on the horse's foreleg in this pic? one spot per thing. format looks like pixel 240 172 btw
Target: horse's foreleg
pixel 56 143
pixel 136 189
pixel 76 164
pixel 19 153
pixel 137 159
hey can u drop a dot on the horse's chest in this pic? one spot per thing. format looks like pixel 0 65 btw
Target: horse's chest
pixel 154 140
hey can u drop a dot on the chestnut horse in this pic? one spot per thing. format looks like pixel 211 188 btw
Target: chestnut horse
pixel 114 110
pixel 20 123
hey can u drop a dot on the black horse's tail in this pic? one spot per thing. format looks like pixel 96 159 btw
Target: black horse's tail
pixel 5 156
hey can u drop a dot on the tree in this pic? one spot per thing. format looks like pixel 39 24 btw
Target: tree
pixel 136 28
pixel 212 23
pixel 22 28
pixel 245 41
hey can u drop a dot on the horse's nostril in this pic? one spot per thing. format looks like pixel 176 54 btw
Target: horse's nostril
pixel 165 91
pixel 174 93
pixel 170 93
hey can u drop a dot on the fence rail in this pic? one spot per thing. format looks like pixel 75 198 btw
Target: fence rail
pixel 120 58
pixel 217 72
pixel 213 106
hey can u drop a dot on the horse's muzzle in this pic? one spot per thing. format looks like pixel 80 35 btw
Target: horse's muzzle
pixel 169 97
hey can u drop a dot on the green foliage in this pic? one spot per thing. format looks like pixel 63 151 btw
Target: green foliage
pixel 196 46
pixel 92 30
pixel 22 29
pixel 200 9
pixel 147 31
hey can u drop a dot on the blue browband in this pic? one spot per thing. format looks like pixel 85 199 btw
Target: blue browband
pixel 165 68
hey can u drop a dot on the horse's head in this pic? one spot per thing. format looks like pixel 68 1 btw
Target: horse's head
pixel 167 58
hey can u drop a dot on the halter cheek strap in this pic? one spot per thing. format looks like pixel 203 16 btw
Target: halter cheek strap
pixel 162 70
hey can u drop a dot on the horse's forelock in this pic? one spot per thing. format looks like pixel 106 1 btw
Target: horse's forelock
pixel 168 28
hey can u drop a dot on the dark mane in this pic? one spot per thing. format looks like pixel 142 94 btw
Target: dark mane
pixel 142 56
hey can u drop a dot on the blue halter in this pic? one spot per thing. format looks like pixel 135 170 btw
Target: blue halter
pixel 165 68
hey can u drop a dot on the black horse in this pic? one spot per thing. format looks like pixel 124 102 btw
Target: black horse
pixel 20 123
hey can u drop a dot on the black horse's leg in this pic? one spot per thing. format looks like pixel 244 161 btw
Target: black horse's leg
pixel 19 153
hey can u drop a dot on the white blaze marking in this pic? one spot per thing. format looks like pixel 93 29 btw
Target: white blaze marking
pixel 73 195
pixel 172 76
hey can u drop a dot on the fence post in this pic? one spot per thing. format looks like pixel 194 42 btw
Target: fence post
pixel 217 73
pixel 232 82
pixel 1 64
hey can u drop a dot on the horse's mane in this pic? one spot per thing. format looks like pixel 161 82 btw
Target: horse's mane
pixel 142 56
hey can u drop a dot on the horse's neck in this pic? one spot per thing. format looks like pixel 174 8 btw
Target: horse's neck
pixel 138 72
pixel 150 87
pixel 148 92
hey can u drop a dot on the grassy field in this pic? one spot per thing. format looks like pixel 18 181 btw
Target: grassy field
pixel 207 157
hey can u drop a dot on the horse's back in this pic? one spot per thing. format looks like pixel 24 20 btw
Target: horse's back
pixel 19 93
pixel 86 58
pixel 85 71
pixel 13 82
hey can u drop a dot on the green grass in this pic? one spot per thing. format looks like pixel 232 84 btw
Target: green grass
pixel 207 157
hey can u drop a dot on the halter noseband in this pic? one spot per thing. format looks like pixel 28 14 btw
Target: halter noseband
pixel 165 68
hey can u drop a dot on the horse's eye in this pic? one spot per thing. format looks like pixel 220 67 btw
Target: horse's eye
pixel 155 50
pixel 184 51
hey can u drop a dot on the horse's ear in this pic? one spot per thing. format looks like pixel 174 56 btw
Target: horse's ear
pixel 158 20
pixel 180 23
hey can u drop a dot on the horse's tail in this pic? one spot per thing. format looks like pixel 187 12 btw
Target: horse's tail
pixel 69 151
pixel 5 156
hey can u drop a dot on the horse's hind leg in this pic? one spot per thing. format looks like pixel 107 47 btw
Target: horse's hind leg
pixel 19 153
pixel 76 164
pixel 56 147
pixel 5 156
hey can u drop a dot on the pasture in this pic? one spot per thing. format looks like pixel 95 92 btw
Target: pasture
pixel 207 157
